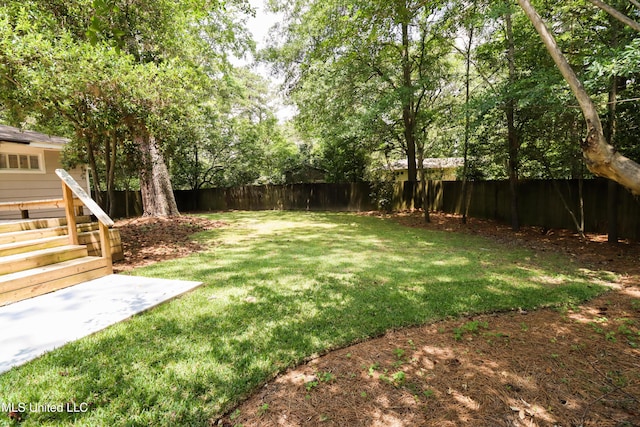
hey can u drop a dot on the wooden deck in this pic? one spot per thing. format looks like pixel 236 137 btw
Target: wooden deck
pixel 36 256
pixel 41 256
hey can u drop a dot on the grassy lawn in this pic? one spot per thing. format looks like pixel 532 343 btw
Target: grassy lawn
pixel 280 287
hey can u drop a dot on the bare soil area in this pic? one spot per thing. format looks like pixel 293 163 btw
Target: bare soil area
pixel 571 366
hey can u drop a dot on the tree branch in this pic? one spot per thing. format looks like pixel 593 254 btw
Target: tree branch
pixel 601 158
pixel 586 104
pixel 423 48
pixel 376 70
pixel 477 68
pixel 616 14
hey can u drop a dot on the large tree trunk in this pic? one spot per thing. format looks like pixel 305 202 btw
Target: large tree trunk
pixel 600 157
pixel 408 115
pixel 155 185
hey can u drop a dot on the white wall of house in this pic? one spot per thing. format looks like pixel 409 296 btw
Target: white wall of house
pixel 29 183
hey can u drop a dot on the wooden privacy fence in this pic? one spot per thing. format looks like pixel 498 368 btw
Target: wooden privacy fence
pixel 539 201
pixel 339 197
pixel 321 196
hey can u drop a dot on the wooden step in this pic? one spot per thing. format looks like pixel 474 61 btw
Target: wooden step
pixel 19 236
pixel 92 240
pixel 32 245
pixel 39 258
pixel 35 224
pixel 30 283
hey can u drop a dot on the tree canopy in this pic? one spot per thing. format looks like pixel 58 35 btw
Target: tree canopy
pixel 377 74
pixel 151 99
pixel 123 75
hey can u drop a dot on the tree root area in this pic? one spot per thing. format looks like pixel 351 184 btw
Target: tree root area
pixel 147 240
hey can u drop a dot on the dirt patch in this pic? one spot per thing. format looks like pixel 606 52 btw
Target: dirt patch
pixel 576 366
pixel 149 240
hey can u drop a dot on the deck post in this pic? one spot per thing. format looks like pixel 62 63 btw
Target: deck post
pixel 70 214
pixel 71 187
pixel 105 246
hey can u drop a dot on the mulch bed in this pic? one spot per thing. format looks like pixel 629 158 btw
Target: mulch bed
pixel 146 240
pixel 577 366
pixel 545 368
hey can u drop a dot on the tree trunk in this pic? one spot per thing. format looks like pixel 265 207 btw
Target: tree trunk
pixel 612 212
pixel 110 161
pixel 408 115
pixel 512 137
pixel 424 189
pixel 126 202
pixel 467 127
pixel 155 186
pixel 600 157
pixel 581 200
pixel 93 166
pixel 411 147
pixel 612 188
pixel 195 179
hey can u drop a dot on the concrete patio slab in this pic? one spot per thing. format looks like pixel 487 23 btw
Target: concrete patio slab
pixel 35 326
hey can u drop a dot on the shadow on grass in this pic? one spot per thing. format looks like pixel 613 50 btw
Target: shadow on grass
pixel 279 287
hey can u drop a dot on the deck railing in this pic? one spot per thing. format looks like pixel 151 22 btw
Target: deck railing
pixel 70 188
pixel 25 206
pixel 72 206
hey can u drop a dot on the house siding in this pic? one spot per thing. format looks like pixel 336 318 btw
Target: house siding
pixel 440 174
pixel 25 186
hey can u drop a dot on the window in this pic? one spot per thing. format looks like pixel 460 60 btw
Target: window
pixel 13 161
pixel 10 162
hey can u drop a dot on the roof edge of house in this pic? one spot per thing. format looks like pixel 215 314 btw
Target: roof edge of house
pixel 15 135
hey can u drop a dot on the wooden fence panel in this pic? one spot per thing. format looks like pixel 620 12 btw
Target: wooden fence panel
pixel 539 201
pixel 539 204
pixel 310 197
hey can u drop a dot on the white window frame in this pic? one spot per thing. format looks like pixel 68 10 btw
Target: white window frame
pixel 12 150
